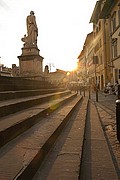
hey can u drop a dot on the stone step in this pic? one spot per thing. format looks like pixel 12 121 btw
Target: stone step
pixel 20 158
pixel 15 124
pixel 6 95
pixel 19 83
pixel 12 106
pixel 63 161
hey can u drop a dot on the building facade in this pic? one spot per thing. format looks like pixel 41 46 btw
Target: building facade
pixel 85 69
pixel 5 71
pixel 101 50
pixel 111 12
pixel 101 44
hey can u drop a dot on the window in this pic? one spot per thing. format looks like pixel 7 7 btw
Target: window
pixel 99 26
pixel 113 23
pixel 101 59
pixel 100 43
pixel 119 16
pixel 114 48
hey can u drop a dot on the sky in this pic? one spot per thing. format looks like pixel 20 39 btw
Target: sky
pixel 62 28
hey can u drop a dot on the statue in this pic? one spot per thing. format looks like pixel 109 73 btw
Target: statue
pixel 32 31
pixel 25 40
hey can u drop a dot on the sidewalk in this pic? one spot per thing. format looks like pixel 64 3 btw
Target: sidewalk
pixel 97 162
pixel 107 100
pixel 106 107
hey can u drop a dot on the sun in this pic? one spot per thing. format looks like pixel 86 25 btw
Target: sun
pixel 68 66
pixel 71 66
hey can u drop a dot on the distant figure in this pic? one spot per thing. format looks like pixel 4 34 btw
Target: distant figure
pixel 32 29
pixel 109 88
pixel 116 88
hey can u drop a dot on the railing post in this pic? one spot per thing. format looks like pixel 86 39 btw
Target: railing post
pixel 80 89
pixel 96 94
pixel 118 91
pixel 118 114
pixel 84 90
pixel 89 92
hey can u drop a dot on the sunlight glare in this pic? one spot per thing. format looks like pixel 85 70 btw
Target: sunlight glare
pixel 71 66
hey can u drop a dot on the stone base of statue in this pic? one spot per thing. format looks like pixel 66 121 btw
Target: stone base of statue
pixel 30 62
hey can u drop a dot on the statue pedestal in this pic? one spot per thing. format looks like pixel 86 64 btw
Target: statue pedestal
pixel 30 62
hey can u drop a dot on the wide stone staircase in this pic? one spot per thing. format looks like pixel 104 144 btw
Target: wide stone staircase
pixel 23 104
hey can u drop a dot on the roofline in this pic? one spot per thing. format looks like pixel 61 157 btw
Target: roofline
pixel 88 35
pixel 94 12
pixel 108 6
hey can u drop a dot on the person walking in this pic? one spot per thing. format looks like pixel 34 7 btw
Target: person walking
pixel 109 88
pixel 116 88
